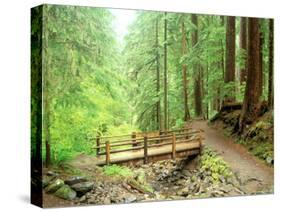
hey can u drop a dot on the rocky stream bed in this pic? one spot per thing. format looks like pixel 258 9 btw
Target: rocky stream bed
pixel 201 177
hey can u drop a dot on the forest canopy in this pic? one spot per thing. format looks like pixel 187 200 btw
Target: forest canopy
pixel 169 68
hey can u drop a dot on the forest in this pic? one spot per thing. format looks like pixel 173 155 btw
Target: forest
pixel 169 69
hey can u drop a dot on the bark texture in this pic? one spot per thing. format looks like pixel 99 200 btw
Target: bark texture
pixel 197 71
pixel 270 64
pixel 184 74
pixel 230 57
pixel 251 104
pixel 243 46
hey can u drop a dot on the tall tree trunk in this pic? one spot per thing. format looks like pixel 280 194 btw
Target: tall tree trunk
pixel 46 115
pixel 184 73
pixel 250 108
pixel 165 75
pixel 230 57
pixel 206 91
pixel 158 106
pixel 38 156
pixel 46 93
pixel 270 64
pixel 243 46
pixel 219 89
pixel 260 91
pixel 196 71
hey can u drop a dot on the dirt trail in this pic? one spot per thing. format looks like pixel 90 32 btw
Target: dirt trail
pixel 252 171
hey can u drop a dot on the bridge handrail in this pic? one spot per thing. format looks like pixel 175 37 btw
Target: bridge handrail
pixel 140 133
pixel 149 145
pixel 149 139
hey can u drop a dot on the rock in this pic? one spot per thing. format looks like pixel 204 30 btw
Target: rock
pixel 181 182
pixel 83 199
pixel 163 174
pixel 226 188
pixel 82 188
pixel 46 180
pixel 65 192
pixel 174 197
pixel 208 180
pixel 175 173
pixel 193 178
pixel 128 198
pixel 74 180
pixel 92 200
pixel 269 160
pixel 158 196
pixel 54 186
pixel 51 173
pixel 106 201
pixel 184 192
pixel 252 179
pixel 217 193
pixel 186 172
pixel 222 179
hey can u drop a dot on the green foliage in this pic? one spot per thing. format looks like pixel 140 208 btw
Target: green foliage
pixel 140 62
pixel 263 150
pixel 211 162
pixel 179 124
pixel 92 85
pixel 115 170
pixel 85 86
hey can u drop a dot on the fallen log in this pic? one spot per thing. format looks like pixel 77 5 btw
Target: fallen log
pixel 229 106
pixel 135 185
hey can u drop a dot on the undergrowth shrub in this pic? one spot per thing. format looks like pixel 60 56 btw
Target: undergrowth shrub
pixel 211 162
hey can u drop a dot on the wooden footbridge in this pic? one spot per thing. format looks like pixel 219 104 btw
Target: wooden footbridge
pixel 149 146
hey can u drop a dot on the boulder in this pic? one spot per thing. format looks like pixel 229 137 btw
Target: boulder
pixel 75 179
pixel 65 192
pixel 82 188
pixel 46 180
pixel 54 186
pixel 51 173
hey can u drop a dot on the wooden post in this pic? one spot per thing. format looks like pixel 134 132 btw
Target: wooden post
pixel 200 141
pixel 145 149
pixel 160 133
pixel 98 144
pixel 174 147
pixel 134 135
pixel 107 152
pixel 185 131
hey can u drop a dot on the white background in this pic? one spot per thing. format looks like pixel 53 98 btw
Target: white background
pixel 15 96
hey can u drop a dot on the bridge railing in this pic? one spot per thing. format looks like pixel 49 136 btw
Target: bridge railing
pixel 137 141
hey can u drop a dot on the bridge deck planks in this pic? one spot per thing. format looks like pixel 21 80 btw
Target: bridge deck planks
pixel 153 151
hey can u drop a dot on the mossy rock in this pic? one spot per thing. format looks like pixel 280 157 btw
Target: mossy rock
pixel 54 186
pixel 65 192
pixel 46 180
pixel 75 179
pixel 82 188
